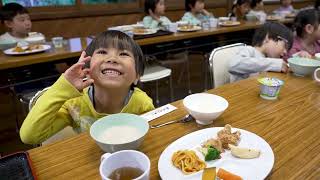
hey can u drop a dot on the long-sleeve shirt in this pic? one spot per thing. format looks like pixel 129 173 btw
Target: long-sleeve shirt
pixel 149 22
pixel 63 105
pixel 248 60
pixel 195 19
pixel 297 47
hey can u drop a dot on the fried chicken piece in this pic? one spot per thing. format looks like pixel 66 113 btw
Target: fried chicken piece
pixel 216 143
pixel 226 137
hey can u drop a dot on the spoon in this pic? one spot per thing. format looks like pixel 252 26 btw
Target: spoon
pixel 186 118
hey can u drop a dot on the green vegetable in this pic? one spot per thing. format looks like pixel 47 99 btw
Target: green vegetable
pixel 212 154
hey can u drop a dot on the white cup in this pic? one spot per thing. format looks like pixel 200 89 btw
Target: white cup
pixel 124 158
pixel 57 42
pixel 205 25
pixel 172 27
pixel 316 72
pixel 213 22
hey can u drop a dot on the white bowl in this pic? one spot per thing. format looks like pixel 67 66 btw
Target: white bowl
pixel 303 66
pixel 119 132
pixel 35 39
pixel 205 107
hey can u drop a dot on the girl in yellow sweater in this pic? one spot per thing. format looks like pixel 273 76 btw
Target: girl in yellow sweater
pixel 84 94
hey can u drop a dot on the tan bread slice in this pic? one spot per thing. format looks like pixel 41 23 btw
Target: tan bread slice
pixel 244 153
pixel 209 174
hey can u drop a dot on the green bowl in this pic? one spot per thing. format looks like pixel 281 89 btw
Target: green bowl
pixel 4 45
pixel 119 132
pixel 303 66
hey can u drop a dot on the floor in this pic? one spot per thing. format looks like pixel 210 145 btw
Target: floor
pixel 10 109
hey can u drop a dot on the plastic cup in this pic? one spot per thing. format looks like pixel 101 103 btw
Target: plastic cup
pixel 57 42
pixel 270 87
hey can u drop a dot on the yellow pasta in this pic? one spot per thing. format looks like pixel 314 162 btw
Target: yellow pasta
pixel 187 161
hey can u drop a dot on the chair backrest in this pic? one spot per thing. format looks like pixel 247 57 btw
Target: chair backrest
pixel 219 62
pixel 62 134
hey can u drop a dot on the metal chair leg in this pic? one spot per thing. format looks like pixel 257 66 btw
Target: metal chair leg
pixel 171 88
pixel 157 93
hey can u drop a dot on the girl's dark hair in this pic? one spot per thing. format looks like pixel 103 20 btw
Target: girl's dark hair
pixel 238 3
pixel 150 4
pixel 191 3
pixel 305 17
pixel 275 31
pixel 317 4
pixel 10 10
pixel 118 40
pixel 254 3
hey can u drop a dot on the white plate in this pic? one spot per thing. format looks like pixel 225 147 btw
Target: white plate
pixel 234 23
pixel 195 28
pixel 248 169
pixel 147 32
pixel 11 52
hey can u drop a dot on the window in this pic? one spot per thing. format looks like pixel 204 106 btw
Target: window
pixel 106 1
pixel 41 3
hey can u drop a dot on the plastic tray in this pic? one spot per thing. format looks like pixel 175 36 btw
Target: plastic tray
pixel 16 167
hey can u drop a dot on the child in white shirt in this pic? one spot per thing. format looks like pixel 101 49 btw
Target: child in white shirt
pixel 270 43
pixel 16 18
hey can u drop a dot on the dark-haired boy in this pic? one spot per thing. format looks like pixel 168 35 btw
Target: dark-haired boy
pixel 16 18
pixel 270 43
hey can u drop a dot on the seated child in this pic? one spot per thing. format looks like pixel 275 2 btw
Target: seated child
pixel 155 10
pixel 257 9
pixel 116 64
pixel 306 42
pixel 239 9
pixel 285 7
pixel 17 20
pixel 269 44
pixel 195 12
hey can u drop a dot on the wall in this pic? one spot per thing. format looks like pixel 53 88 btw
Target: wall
pixel 93 24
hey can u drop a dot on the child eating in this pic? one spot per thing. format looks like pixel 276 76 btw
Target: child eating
pixel 195 12
pixel 270 43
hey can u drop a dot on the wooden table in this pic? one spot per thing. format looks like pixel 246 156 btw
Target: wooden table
pixel 74 46
pixel 290 125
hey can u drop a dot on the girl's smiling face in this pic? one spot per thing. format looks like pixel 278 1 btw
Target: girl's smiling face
pixel 113 68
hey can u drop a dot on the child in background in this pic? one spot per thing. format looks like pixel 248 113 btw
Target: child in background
pixel 116 64
pixel 269 44
pixel 16 18
pixel 240 8
pixel 195 12
pixel 285 7
pixel 306 42
pixel 257 9
pixel 155 10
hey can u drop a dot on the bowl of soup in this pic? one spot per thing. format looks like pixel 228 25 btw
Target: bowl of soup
pixel 303 66
pixel 120 131
pixel 7 44
pixel 205 107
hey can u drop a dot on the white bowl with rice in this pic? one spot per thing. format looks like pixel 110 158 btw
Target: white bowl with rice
pixel 205 107
pixel 119 132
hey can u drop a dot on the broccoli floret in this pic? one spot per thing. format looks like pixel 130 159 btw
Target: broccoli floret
pixel 212 154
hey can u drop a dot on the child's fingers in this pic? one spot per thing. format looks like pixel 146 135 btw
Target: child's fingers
pixel 83 54
pixel 87 82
